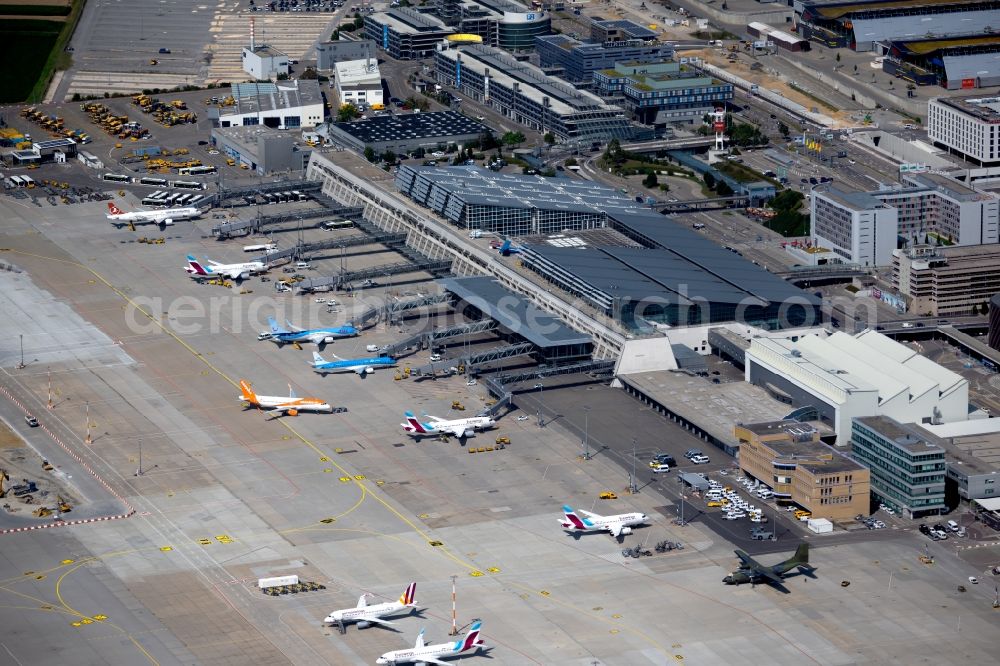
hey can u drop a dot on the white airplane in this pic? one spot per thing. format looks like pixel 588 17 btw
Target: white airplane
pixel 428 654
pixel 163 218
pixel 591 522
pixel 199 271
pixel 280 405
pixel 461 428
pixel 366 615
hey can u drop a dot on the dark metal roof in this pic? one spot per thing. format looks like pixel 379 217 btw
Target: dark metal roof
pixel 513 312
pixel 413 126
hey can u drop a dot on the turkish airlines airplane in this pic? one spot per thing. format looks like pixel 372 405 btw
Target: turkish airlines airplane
pixel 120 218
pixel 214 269
pixel 460 428
pixel 591 522
pixel 428 654
pixel 366 615
pixel 280 405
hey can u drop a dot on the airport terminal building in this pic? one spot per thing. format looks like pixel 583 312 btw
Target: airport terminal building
pixel 522 92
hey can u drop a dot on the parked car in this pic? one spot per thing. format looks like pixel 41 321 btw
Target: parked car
pixel 691 453
pixel 700 460
pixel 660 468
pixel 31 420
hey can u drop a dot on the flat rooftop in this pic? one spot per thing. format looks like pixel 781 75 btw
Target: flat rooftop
pixel 852 200
pixel 357 71
pixel 265 51
pixel 794 428
pixel 982 107
pixel 514 312
pixel 907 436
pixel 506 71
pixel 715 408
pixel 973 445
pixel 412 127
pixel 404 20
pixel 834 10
pixel 632 30
pixel 255 97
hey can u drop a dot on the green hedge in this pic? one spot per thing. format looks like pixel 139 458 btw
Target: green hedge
pixel 34 10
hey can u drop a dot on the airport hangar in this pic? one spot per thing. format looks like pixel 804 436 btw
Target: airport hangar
pixel 955 63
pixel 870 25
pixel 404 133
pixel 282 105
pixel 676 277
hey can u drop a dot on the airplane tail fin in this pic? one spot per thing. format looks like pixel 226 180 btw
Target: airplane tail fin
pixel 196 266
pixel 471 639
pixel 248 393
pixel 317 359
pixel 420 640
pixel 274 326
pixel 414 423
pixel 572 518
pixel 802 554
pixel 291 393
pixel 113 209
pixel 408 595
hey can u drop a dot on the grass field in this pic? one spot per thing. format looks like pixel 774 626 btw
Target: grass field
pixel 34 10
pixel 28 43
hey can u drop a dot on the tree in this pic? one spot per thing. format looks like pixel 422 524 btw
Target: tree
pixel 549 138
pixel 709 180
pixel 650 180
pixel 335 36
pixel 783 129
pixel 488 142
pixel 389 157
pixel 512 138
pixel 347 112
pixel 370 154
pixel 984 308
pixel 358 23
pixel 723 190
pixel 571 162
pixel 310 73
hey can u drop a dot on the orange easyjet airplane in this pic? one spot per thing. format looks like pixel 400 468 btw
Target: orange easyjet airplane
pixel 278 405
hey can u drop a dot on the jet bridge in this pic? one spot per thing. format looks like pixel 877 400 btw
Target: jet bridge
pixel 246 227
pixel 303 249
pixel 470 362
pixel 392 311
pixel 227 194
pixel 338 281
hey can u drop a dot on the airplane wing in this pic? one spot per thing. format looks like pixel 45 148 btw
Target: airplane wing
pixel 279 410
pixel 458 431
pixel 213 263
pixel 765 572
pixel 746 561
pixel 319 338
pixel 615 529
pixel 379 621
pixel 433 660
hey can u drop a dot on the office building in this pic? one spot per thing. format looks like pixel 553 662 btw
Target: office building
pixel 406 34
pixel 659 93
pixel 521 92
pixel 620 31
pixel 856 226
pixel 579 60
pixel 870 25
pixel 290 104
pixel 972 450
pixel 947 281
pixel 359 82
pixel 790 459
pixel 329 54
pixel 847 376
pixel 263 150
pixel 404 133
pixel 501 23
pixel 865 228
pixel 907 471
pixel 966 126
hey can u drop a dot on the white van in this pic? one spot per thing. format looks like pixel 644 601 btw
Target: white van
pixel 302 264
pixel 371 348
pixel 952 525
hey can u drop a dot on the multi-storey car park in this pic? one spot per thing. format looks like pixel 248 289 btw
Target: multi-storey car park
pixel 522 92
pixel 867 25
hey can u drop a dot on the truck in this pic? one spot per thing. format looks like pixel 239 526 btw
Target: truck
pixel 260 247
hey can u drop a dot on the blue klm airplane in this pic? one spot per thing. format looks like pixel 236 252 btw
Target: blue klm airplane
pixel 362 366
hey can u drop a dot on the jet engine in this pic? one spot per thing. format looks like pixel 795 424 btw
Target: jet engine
pixel 626 530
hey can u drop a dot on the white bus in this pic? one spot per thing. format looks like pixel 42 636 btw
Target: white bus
pixel 337 224
pixel 196 170
pixel 148 180
pixel 261 247
pixel 187 185
pixel 18 181
pixel 117 178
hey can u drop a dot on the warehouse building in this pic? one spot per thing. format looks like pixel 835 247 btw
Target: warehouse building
pixel 521 92
pixel 282 105
pixel 872 24
pixel 263 150
pixel 329 54
pixel 404 133
pixel 956 63
pixel 966 126
pixel 907 471
pixel 660 93
pixel 865 228
pixel 847 376
pixel 577 61
pixel 359 82
pixel 790 459
pixel 947 281
pixel 405 33
pixel 779 38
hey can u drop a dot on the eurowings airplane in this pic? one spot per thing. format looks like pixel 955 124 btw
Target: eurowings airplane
pixel 120 218
pixel 214 269
pixel 279 405
pixel 460 428
pixel 591 522
pixel 365 615
pixel 430 654
pixel 317 336
pixel 362 366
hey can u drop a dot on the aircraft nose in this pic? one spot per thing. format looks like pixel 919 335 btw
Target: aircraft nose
pixel 727 579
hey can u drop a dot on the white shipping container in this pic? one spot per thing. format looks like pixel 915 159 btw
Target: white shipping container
pixel 819 525
pixel 277 581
